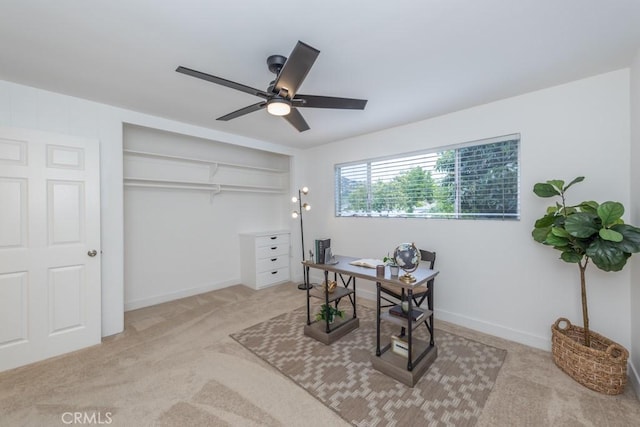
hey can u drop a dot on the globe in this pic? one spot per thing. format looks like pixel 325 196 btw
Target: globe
pixel 407 256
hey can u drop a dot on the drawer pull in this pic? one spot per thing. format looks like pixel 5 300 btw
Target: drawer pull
pixel 274 237
pixel 274 259
pixel 273 248
pixel 274 272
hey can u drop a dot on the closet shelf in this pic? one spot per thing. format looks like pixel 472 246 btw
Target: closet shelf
pixel 200 186
pixel 206 162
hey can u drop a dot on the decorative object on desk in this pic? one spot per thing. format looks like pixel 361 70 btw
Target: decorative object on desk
pixel 321 246
pixel 363 396
pixel 583 232
pixel 329 258
pixel 329 312
pixel 393 267
pixel 380 270
pixel 298 214
pixel 407 256
pixel 398 311
pixel 394 270
pixel 389 260
pixel 331 287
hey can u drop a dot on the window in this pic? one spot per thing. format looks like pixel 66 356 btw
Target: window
pixel 474 180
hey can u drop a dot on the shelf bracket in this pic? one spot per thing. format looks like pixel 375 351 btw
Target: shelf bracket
pixel 213 169
pixel 214 192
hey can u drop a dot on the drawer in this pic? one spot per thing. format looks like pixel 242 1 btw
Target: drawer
pixel 272 250
pixel 273 263
pixel 270 277
pixel 274 239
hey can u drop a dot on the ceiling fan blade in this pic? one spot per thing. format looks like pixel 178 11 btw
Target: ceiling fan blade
pixel 243 111
pixel 295 69
pixel 223 82
pixel 313 101
pixel 296 120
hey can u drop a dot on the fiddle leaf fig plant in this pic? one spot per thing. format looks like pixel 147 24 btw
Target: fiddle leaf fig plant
pixel 583 232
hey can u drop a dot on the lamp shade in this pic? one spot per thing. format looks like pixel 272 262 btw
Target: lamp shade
pixel 278 106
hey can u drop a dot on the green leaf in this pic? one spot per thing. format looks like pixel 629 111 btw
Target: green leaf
pixel 611 235
pixel 545 190
pixel 540 234
pixel 570 210
pixel 555 240
pixel 630 237
pixel 589 206
pixel 575 181
pixel 560 232
pixel 610 212
pixel 545 221
pixel 556 183
pixel 582 225
pixel 607 256
pixel 570 256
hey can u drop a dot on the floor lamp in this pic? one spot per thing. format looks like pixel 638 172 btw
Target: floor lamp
pixel 298 214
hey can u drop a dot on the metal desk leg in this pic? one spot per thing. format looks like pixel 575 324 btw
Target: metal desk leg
pixel 326 299
pixel 354 298
pixel 430 306
pixel 306 282
pixel 410 330
pixel 378 319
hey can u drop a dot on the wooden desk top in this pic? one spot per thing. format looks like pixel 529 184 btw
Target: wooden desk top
pixel 422 273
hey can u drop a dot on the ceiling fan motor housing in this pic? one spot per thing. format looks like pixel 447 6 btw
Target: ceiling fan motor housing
pixel 275 63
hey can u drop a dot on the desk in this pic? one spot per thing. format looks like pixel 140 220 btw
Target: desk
pixel 407 370
pixel 324 331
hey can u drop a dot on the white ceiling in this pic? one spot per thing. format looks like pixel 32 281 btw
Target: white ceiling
pixel 412 59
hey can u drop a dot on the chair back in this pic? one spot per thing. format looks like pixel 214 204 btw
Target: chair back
pixel 429 257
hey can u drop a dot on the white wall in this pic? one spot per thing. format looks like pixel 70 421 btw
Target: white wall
pixel 183 242
pixel 493 276
pixel 635 220
pixel 31 108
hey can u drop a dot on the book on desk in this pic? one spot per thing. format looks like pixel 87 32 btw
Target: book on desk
pixel 321 245
pixel 367 262
pixel 416 314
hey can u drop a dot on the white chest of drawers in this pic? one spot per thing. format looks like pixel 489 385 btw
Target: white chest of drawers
pixel 265 258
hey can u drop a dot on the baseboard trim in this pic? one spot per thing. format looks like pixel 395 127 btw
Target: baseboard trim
pixel 543 343
pixel 183 293
pixel 634 377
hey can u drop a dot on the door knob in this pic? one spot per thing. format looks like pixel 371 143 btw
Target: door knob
pixel 92 253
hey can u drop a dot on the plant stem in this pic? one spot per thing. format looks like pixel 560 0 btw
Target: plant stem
pixel 585 312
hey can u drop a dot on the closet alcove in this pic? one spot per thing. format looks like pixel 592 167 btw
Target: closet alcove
pixel 186 201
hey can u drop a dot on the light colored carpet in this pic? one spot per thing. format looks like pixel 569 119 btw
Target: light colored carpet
pixel 451 393
pixel 175 365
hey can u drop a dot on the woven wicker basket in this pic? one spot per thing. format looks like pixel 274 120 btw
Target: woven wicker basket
pixel 601 367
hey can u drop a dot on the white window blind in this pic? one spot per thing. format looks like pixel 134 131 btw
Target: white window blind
pixel 474 180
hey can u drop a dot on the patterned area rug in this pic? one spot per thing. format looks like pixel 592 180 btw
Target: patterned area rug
pixel 451 393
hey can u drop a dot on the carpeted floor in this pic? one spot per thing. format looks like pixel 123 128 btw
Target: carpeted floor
pixel 451 393
pixel 176 365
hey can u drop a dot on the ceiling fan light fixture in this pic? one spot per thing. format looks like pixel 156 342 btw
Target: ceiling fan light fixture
pixel 278 107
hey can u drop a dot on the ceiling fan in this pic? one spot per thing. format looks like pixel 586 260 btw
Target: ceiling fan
pixel 281 97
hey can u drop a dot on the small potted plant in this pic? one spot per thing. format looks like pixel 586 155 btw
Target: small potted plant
pixel 583 233
pixel 327 311
pixel 393 267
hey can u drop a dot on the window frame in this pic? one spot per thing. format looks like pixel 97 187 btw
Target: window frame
pixel 370 213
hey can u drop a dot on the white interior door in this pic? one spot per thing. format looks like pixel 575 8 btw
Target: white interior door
pixel 49 229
